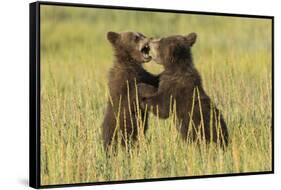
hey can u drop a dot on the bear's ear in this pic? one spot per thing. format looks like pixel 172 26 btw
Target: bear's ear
pixel 113 37
pixel 191 38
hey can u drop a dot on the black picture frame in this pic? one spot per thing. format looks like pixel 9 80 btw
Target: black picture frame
pixel 35 84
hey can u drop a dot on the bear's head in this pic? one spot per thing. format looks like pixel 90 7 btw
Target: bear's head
pixel 131 46
pixel 172 50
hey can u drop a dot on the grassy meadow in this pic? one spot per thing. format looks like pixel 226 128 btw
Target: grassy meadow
pixel 232 54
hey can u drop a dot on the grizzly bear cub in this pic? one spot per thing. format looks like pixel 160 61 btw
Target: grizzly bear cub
pixel 180 88
pixel 123 112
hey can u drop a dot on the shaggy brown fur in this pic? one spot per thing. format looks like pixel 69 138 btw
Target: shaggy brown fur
pixel 180 85
pixel 131 50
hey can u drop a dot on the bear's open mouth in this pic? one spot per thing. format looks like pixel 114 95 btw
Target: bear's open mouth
pixel 145 51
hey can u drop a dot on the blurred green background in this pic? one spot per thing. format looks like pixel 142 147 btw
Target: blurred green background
pixel 232 54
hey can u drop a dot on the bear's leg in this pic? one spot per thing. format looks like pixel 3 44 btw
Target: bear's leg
pixel 145 117
pixel 108 128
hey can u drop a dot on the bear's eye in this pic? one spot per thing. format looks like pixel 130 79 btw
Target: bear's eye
pixel 136 38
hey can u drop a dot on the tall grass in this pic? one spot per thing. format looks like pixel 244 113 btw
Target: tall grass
pixel 233 56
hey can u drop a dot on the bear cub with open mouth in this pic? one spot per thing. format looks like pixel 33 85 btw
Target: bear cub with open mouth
pixel 123 110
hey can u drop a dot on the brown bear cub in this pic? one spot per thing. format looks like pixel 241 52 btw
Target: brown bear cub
pixel 123 113
pixel 180 89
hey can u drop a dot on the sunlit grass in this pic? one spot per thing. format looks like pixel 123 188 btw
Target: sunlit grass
pixel 233 56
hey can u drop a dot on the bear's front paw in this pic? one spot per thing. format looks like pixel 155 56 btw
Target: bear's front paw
pixel 145 90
